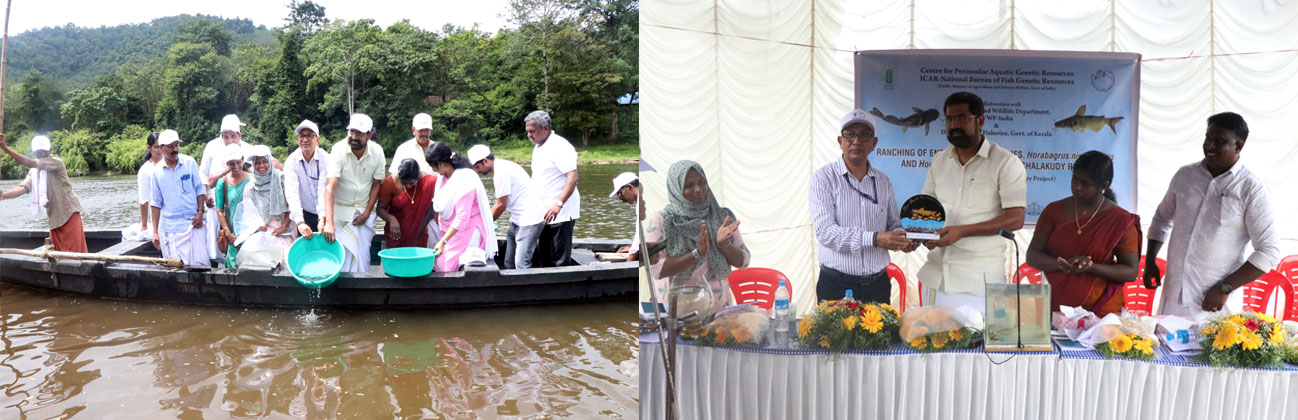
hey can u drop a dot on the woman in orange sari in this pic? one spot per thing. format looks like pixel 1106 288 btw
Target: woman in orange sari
pixel 1086 245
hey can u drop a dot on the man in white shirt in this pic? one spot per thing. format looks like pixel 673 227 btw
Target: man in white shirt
pixel 306 171
pixel 514 192
pixel 626 187
pixel 415 148
pixel 210 172
pixel 554 175
pixel 355 174
pixel 1217 207
pixel 983 188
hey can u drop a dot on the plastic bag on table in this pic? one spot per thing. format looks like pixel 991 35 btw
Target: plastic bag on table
pixel 931 328
pixel 262 250
pixel 1111 327
pixel 741 325
pixel 1073 321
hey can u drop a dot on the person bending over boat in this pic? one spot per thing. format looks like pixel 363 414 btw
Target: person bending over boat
pixel 514 192
pixel 47 180
pixel 468 236
pixel 554 174
pixel 404 202
pixel 702 238
pixel 626 187
pixel 178 200
pixel 355 173
pixel 229 201
pixel 263 233
pixel 307 171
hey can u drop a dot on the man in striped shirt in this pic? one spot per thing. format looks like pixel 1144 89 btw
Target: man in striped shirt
pixel 856 218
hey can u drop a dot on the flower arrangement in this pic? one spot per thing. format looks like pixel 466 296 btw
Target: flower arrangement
pixel 1242 340
pixel 735 326
pixel 936 328
pixel 845 325
pixel 1132 346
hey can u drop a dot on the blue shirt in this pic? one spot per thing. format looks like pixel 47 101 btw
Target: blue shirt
pixel 175 192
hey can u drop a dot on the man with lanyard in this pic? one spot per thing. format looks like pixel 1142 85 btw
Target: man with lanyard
pixel 554 175
pixel 178 206
pixel 983 188
pixel 47 180
pixel 513 192
pixel 1213 209
pixel 415 148
pixel 306 172
pixel 856 219
pixel 355 175
pixel 626 187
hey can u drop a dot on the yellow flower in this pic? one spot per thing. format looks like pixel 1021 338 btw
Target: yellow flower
pixel 1236 319
pixel 805 326
pixel 870 307
pixel 741 334
pixel 1265 317
pixel 1144 346
pixel 889 308
pixel 956 334
pixel 1121 344
pixel 1227 336
pixel 824 341
pixel 1209 330
pixel 1250 341
pixel 872 315
pixel 939 340
pixel 871 326
pixel 1277 334
pixel 849 323
pixel 918 342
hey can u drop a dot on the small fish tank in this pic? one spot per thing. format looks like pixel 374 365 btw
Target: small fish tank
pixel 1018 317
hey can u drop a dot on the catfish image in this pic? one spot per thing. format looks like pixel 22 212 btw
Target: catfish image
pixel 920 117
pixel 1080 122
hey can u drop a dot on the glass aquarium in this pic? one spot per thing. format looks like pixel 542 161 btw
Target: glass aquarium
pixel 1018 317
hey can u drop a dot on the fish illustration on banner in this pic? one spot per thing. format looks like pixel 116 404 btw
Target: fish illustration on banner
pixel 922 216
pixel 921 117
pixel 1080 122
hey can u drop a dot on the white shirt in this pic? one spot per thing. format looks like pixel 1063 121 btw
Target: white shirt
pixel 356 176
pixel 299 173
pixel 1215 219
pixel 144 180
pixel 411 150
pixel 550 162
pixel 991 181
pixel 213 150
pixel 847 212
pixel 511 180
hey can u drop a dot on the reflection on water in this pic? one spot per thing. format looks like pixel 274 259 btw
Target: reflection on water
pixel 112 203
pixel 89 358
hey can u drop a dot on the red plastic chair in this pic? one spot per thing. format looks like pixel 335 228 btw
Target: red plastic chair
pixel 895 274
pixel 1288 268
pixel 1029 274
pixel 1265 293
pixel 757 285
pixel 1137 297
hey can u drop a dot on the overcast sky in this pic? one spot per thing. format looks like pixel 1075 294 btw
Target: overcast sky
pixel 428 14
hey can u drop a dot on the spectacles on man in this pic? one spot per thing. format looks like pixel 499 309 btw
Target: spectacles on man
pixel 857 137
pixel 958 118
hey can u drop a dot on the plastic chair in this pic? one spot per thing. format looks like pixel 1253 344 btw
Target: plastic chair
pixel 1271 294
pixel 1029 274
pixel 1288 268
pixel 1137 298
pixel 895 274
pixel 757 285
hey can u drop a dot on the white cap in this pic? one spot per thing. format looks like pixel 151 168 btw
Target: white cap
pixel 361 123
pixel 477 153
pixel 40 143
pixel 168 137
pixel 620 181
pixel 857 116
pixel 231 123
pixel 232 152
pixel 259 150
pixel 422 121
pixel 307 124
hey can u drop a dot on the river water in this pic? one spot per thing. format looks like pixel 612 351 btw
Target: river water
pixel 75 357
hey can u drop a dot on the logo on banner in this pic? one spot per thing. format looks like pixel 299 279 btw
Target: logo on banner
pixel 888 79
pixel 1103 80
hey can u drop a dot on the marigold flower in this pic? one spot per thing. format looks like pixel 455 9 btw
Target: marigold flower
pixel 824 341
pixel 1144 346
pixel 805 326
pixel 849 323
pixel 1121 344
pixel 918 342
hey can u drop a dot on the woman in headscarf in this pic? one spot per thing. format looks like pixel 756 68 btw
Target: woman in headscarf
pixel 404 200
pixel 229 200
pixel 702 238
pixel 468 233
pixel 1087 246
pixel 263 234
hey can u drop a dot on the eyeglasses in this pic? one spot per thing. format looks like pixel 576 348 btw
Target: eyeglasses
pixel 307 136
pixel 958 118
pixel 857 137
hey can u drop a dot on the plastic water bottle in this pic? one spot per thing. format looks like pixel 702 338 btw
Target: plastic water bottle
pixel 782 307
pixel 847 296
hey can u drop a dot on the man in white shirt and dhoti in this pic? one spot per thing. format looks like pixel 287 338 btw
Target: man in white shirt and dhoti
pixel 355 174
pixel 1213 210
pixel 415 148
pixel 177 201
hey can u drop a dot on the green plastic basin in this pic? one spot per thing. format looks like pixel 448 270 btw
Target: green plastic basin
pixel 408 261
pixel 315 263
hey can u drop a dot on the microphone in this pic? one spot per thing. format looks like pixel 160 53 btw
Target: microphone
pixel 1005 234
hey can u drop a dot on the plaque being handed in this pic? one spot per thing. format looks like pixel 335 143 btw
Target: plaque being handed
pixel 922 216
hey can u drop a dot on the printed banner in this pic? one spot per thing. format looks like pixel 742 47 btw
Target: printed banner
pixel 1048 107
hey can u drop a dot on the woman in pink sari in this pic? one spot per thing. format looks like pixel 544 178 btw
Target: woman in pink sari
pixel 468 236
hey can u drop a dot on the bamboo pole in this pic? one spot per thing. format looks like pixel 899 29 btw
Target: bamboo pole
pixel 48 254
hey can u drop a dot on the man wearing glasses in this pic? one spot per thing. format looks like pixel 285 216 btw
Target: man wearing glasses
pixel 983 188
pixel 304 181
pixel 856 218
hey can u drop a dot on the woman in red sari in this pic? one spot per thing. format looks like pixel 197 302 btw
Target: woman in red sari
pixel 1086 245
pixel 405 202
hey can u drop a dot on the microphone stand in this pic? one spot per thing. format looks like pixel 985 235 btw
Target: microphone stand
pixel 1018 295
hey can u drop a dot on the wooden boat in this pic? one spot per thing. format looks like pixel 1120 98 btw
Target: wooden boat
pixel 590 280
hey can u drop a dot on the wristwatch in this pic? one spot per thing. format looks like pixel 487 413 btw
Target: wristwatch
pixel 695 253
pixel 1225 287
pixel 558 203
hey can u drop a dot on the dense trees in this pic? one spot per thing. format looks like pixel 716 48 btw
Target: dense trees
pixel 96 90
